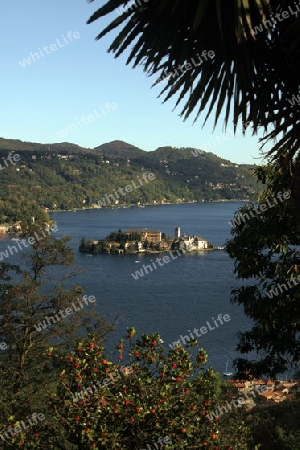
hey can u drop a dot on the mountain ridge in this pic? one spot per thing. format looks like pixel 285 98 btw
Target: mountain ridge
pixel 114 148
pixel 66 176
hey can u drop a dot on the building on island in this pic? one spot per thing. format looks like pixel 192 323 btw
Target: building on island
pixel 153 235
pixel 200 243
pixel 177 233
pixel 144 240
pixel 189 243
pixel 144 235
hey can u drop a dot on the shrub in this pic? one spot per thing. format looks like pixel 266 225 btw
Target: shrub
pixel 155 399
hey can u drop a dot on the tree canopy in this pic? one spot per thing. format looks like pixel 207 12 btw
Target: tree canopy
pixel 265 246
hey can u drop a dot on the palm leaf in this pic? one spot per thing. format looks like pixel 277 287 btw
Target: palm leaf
pixel 253 72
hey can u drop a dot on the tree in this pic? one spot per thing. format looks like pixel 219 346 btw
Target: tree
pixel 146 244
pixel 20 209
pixel 82 243
pixel 148 397
pixel 265 246
pixel 276 428
pixel 40 312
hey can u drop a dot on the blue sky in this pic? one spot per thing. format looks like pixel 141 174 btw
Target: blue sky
pixel 80 79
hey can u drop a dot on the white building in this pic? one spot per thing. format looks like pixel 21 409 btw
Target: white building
pixel 200 243
pixel 190 243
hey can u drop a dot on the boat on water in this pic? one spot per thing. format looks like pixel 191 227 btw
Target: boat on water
pixel 226 373
pixel 16 239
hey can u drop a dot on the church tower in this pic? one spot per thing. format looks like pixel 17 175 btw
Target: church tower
pixel 177 232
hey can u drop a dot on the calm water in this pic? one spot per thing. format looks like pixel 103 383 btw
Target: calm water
pixel 179 296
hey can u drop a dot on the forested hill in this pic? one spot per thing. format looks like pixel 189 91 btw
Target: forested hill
pixel 64 176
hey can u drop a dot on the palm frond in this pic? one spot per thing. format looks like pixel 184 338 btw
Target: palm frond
pixel 255 68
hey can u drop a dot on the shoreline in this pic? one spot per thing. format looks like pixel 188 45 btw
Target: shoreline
pixel 144 205
pixel 192 252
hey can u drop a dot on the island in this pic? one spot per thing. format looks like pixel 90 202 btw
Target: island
pixel 145 241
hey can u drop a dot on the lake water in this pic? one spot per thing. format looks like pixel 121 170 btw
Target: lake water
pixel 179 296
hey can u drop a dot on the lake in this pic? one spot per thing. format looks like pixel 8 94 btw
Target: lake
pixel 176 297
pixel 179 296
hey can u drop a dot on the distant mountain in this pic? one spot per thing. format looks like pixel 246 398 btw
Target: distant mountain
pixel 64 176
pixel 119 149
pixel 17 145
pixel 168 152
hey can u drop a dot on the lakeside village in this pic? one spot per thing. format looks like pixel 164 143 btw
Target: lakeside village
pixel 266 392
pixel 145 241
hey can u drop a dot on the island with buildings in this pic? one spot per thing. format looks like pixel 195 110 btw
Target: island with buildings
pixel 145 241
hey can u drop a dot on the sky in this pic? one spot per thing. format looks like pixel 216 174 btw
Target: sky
pixel 61 85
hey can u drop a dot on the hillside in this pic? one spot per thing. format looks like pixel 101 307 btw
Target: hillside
pixel 64 176
pixel 119 149
pixel 20 146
